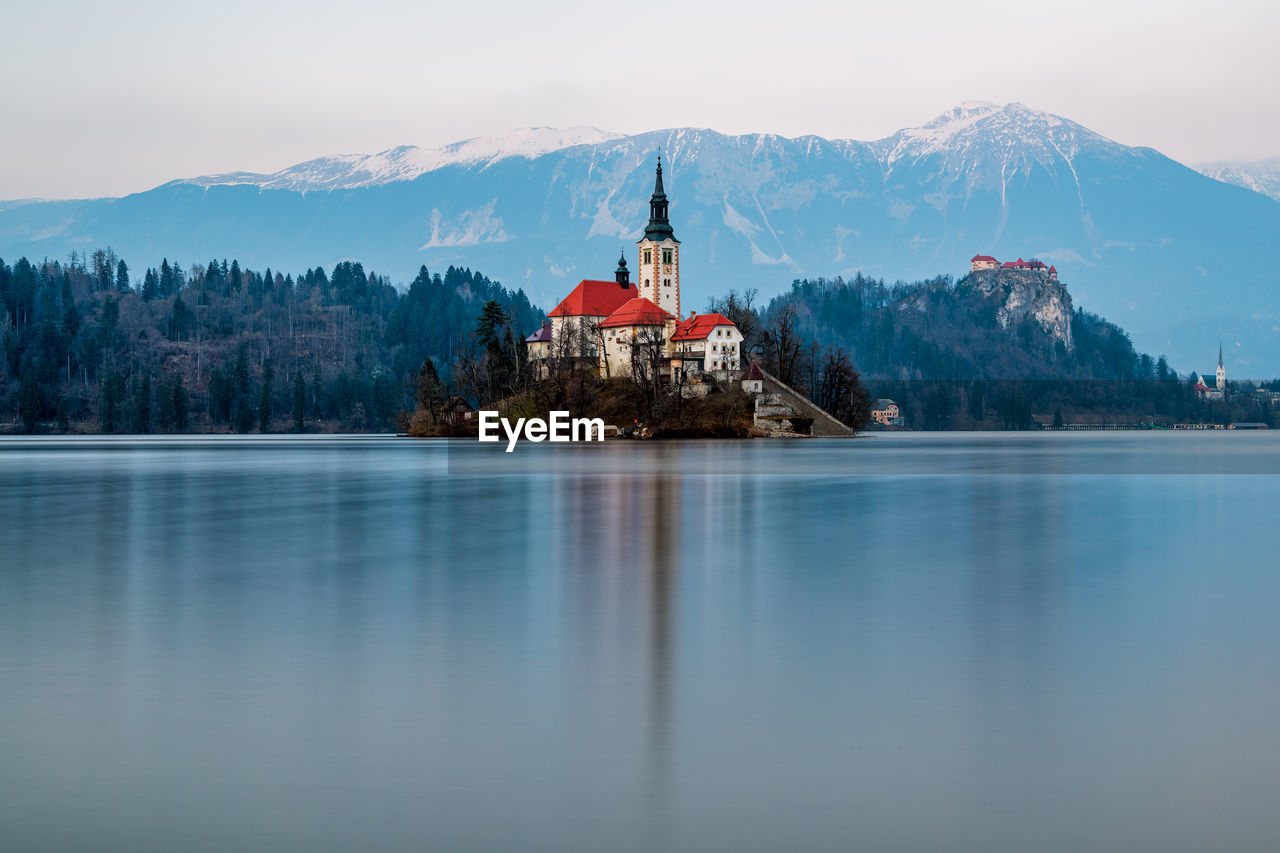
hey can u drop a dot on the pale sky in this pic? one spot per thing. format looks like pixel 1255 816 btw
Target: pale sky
pixel 106 98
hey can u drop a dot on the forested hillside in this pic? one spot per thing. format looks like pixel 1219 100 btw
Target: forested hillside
pixel 994 350
pixel 940 329
pixel 93 345
pixel 90 345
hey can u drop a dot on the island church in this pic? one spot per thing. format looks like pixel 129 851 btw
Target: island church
pixel 620 327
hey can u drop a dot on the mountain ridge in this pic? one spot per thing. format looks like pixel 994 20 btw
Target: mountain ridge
pixel 1260 176
pixel 1179 259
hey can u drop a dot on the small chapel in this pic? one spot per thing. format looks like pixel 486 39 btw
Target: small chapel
pixel 622 328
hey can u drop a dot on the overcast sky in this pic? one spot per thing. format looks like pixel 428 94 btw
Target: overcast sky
pixel 109 98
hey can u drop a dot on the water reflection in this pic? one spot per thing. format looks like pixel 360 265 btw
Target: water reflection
pixel 384 644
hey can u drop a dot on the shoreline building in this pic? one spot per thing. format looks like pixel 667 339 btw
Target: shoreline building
pixel 1213 389
pixel 887 413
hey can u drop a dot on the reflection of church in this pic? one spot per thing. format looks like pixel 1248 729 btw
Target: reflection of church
pixel 617 325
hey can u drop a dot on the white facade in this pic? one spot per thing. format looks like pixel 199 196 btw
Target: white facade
pixel 620 344
pixel 575 335
pixel 659 274
pixel 720 349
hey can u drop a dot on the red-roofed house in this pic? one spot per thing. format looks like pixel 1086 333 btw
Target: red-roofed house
pixel 575 322
pixel 635 335
pixel 982 262
pixel 594 299
pixel 1020 264
pixel 707 342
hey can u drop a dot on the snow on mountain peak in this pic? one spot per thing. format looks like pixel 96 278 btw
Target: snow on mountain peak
pixel 406 162
pixel 1261 176
pixel 988 143
pixel 985 142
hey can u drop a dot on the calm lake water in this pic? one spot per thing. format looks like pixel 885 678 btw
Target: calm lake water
pixel 913 642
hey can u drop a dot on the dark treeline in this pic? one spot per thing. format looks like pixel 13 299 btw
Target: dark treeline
pixel 937 349
pixel 93 346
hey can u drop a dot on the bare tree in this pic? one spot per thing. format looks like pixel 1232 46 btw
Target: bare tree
pixel 647 350
pixel 781 343
pixel 740 308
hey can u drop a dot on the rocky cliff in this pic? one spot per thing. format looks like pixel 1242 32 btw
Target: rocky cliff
pixel 1021 296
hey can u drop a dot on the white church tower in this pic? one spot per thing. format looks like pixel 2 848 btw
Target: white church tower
pixel 659 270
pixel 1222 371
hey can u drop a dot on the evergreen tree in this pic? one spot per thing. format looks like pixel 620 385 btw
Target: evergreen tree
pixel 299 401
pixel 489 324
pixel 264 397
pixel 142 403
pixel 150 285
pixel 221 396
pixel 167 286
pixel 113 390
pixel 30 400
pixel 427 390
pixel 122 275
pixel 181 320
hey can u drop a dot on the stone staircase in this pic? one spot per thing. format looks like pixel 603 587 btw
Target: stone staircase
pixel 780 402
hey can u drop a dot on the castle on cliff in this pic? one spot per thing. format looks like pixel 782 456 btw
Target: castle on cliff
pixel 987 262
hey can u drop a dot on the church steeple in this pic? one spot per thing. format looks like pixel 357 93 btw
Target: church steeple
pixel 658 273
pixel 659 227
pixel 622 274
pixel 1220 354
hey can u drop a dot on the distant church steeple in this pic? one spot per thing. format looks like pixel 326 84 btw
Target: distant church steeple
pixel 659 276
pixel 1222 370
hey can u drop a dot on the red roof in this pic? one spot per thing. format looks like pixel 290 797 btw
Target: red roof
pixel 594 299
pixel 636 312
pixel 1053 269
pixel 977 258
pixel 754 372
pixel 699 326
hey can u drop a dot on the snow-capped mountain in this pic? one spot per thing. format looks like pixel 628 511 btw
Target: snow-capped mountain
pixel 406 162
pixel 1261 176
pixel 989 144
pixel 1177 258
